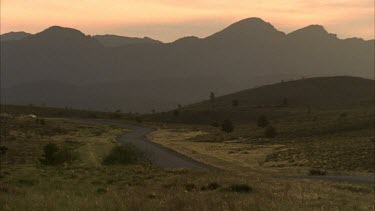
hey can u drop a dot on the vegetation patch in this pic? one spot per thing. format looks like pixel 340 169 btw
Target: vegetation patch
pixel 240 188
pixel 317 172
pixel 125 154
pixel 54 155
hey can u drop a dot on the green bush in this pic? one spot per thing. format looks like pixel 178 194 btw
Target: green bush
pixel 53 155
pixel 270 132
pixel 125 155
pixel 227 126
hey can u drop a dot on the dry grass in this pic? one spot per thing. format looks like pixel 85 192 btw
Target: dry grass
pixel 88 185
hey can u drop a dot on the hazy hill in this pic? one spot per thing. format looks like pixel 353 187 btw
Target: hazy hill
pixel 247 53
pixel 339 91
pixel 117 41
pixel 13 36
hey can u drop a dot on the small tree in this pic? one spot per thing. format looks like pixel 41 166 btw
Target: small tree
pixel 227 126
pixel 235 103
pixel 262 121
pixel 212 97
pixel 176 112
pixel 49 156
pixel 270 132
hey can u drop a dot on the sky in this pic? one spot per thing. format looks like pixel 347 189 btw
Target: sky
pixel 168 20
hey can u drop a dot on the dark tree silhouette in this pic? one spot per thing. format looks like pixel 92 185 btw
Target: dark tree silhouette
pixel 227 126
pixel 212 97
pixel 262 121
pixel 270 132
pixel 235 103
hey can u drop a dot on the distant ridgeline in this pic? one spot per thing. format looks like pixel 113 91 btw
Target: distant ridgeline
pixel 65 68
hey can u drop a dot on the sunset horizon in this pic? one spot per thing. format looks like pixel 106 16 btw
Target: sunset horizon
pixel 167 21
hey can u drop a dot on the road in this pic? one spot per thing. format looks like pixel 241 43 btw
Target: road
pixel 158 155
pixel 166 158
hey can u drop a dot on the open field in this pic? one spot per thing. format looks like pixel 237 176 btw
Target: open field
pixel 87 184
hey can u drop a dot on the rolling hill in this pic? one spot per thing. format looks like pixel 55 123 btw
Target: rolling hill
pixel 245 54
pixel 308 96
pixel 339 91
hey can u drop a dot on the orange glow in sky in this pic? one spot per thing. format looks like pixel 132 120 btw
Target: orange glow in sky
pixel 168 20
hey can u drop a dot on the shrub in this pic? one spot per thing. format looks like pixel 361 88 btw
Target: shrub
pixel 262 121
pixel 270 132
pixel 53 155
pixel 126 154
pixel 215 124
pixel 240 188
pixel 317 172
pixel 3 150
pixel 235 103
pixel 227 126
pixel 40 121
pixel 211 186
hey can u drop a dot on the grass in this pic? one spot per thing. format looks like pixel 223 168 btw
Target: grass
pixel 331 142
pixel 87 184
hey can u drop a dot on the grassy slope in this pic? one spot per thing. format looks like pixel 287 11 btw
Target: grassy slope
pixel 314 94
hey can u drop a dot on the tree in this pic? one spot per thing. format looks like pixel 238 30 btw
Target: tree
pixel 50 151
pixel 262 121
pixel 176 112
pixel 212 97
pixel 235 103
pixel 270 132
pixel 227 126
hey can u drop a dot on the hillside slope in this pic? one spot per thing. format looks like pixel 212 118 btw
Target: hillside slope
pixel 320 91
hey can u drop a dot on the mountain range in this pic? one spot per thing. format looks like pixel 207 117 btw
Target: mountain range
pixel 64 67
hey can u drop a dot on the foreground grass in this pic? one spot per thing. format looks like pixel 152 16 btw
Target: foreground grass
pixel 87 184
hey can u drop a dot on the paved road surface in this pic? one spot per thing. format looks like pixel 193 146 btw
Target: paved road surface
pixel 157 154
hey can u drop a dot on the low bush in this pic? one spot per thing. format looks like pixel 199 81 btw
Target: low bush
pixel 317 172
pixel 262 121
pixel 54 155
pixel 211 186
pixel 227 126
pixel 270 132
pixel 125 155
pixel 240 188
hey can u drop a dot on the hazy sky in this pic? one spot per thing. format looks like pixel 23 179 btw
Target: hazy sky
pixel 168 20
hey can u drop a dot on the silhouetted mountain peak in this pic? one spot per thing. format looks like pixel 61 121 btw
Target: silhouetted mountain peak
pixel 250 27
pixel 317 31
pixel 62 32
pixel 14 36
pixel 63 38
pixel 117 41
pixel 188 39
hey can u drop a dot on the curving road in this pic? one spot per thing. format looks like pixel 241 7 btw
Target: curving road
pixel 157 154
pixel 167 158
